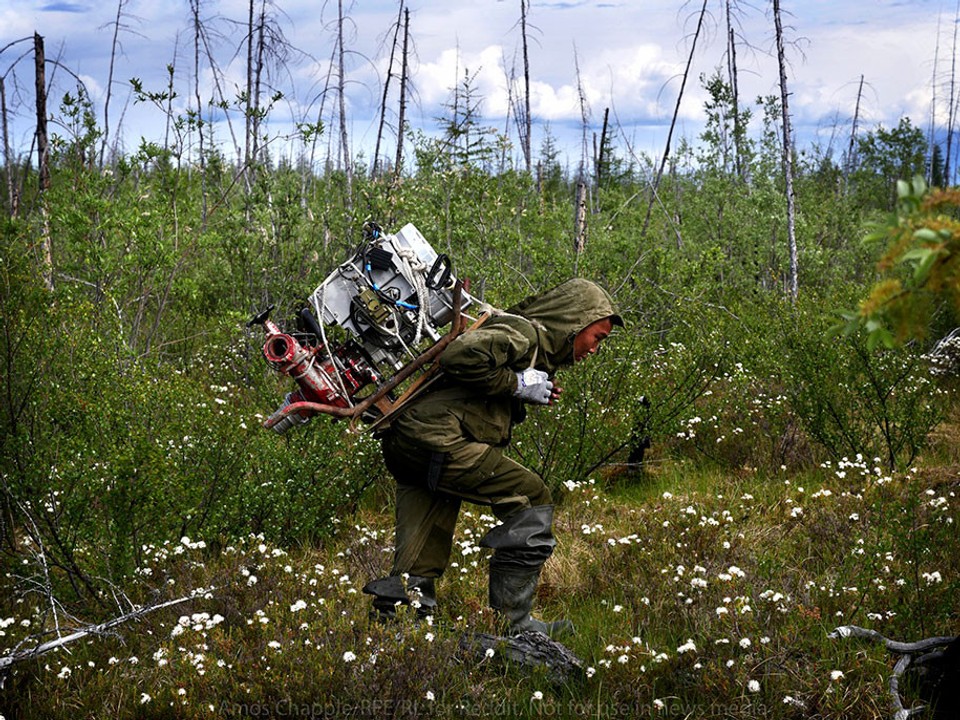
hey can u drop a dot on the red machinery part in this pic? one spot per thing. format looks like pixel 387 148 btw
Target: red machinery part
pixel 313 374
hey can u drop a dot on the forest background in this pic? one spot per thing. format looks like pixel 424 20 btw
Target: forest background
pixel 737 472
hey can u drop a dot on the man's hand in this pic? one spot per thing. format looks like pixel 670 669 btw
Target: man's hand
pixel 534 386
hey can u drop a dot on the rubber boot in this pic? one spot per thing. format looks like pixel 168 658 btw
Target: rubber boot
pixel 511 594
pixel 391 592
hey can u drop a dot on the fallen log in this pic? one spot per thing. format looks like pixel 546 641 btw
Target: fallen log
pixel 935 662
pixel 531 649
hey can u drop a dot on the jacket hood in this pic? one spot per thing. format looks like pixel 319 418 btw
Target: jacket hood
pixel 562 312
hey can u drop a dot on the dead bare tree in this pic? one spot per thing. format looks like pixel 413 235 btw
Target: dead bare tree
pixel 787 154
pixel 935 658
pixel 525 123
pixel 7 163
pixel 109 90
pixel 655 185
pixel 268 52
pixel 951 104
pixel 584 116
pixel 580 214
pixel 13 191
pixel 256 48
pixel 386 90
pixel 43 160
pixel 673 121
pixel 344 139
pixel 195 16
pixel 932 126
pixel 580 219
pixel 217 77
pixel 249 109
pixel 404 78
pixel 321 113
pixel 740 163
pixel 18 655
pixel 602 150
pixel 513 111
pixel 849 163
pixel 258 82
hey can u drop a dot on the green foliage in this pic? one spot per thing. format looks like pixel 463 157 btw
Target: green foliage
pixel 104 451
pixel 133 396
pixel 919 276
pixel 855 400
pixel 885 157
pixel 735 584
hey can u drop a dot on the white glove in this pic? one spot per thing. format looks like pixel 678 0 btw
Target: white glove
pixel 533 386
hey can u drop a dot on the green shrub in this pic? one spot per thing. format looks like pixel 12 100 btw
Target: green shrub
pixel 105 452
pixel 856 400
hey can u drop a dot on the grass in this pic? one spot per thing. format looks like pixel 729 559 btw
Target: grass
pixel 695 592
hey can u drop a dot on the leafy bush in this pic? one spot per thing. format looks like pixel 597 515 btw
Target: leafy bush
pixel 855 400
pixel 105 452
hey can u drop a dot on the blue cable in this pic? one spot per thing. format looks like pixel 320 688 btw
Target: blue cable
pixel 398 303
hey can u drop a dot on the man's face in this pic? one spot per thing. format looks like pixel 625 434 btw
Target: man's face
pixel 588 340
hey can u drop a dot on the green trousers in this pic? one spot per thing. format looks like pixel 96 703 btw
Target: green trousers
pixel 431 486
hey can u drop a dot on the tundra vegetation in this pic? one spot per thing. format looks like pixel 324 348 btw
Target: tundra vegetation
pixel 801 474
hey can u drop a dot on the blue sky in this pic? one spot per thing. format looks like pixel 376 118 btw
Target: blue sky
pixel 630 55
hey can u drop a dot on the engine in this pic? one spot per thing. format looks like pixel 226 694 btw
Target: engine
pixel 389 301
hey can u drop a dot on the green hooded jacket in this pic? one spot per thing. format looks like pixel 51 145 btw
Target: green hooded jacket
pixel 475 400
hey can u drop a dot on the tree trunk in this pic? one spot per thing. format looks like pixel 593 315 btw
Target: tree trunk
pixel 580 219
pixel 527 124
pixel 248 116
pixel 951 109
pixel 743 172
pixel 106 101
pixel 851 148
pixel 601 152
pixel 673 122
pixel 533 650
pixel 217 78
pixel 403 95
pixel 932 127
pixel 322 111
pixel 7 164
pixel 584 118
pixel 386 89
pixel 344 141
pixel 195 9
pixel 666 152
pixel 787 155
pixel 255 149
pixel 43 160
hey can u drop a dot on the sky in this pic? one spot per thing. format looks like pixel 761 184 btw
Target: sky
pixel 625 55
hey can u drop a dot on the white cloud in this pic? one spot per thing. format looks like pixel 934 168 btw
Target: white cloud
pixel 631 57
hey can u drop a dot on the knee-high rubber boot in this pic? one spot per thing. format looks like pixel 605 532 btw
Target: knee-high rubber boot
pixel 391 591
pixel 511 593
pixel 521 545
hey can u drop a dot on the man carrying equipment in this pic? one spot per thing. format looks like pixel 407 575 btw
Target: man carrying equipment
pixel 447 446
